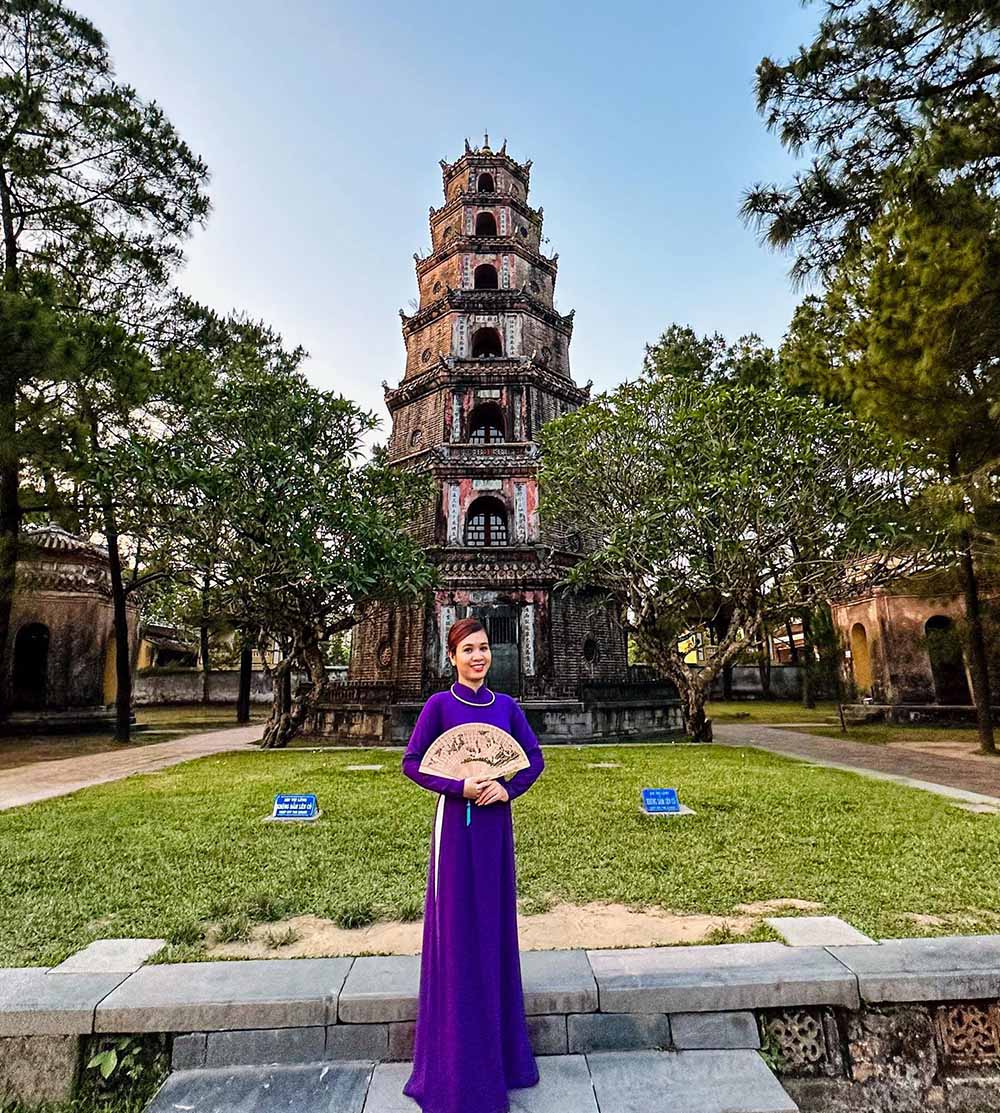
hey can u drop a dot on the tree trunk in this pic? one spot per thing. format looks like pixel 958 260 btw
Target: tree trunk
pixel 123 669
pixel 206 663
pixel 808 662
pixel 10 522
pixel 692 694
pixel 246 675
pixel 10 506
pixel 977 649
pixel 281 730
pixel 793 649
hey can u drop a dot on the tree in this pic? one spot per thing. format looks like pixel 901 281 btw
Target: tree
pixel 692 511
pixel 311 534
pixel 909 333
pixel 890 94
pixel 87 171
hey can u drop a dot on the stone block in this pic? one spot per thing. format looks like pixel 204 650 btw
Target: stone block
pixel 714 1031
pixel 110 956
pixel 950 968
pixel 817 931
pixel 34 1002
pixel 893 1057
pixel 218 996
pixel 724 978
pixel 357 1041
pixel 557 982
pixel 313 1086
pixel 548 1034
pixel 563 1087
pixel 380 988
pixel 588 1032
pixel 261 1046
pixel 692 1081
pixel 36 1069
pixel 401 1040
pixel 188 1051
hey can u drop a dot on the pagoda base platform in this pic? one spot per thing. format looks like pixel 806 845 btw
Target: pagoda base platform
pixel 369 722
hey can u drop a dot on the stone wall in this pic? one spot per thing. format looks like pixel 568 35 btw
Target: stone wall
pixel 185 686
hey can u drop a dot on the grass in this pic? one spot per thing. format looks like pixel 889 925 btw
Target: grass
pixel 161 724
pixel 771 711
pixel 881 734
pixel 165 853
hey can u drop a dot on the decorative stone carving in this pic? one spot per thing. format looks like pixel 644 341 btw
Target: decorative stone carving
pixel 806 1041
pixel 970 1034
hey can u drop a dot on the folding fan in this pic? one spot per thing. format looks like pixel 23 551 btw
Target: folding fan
pixel 474 750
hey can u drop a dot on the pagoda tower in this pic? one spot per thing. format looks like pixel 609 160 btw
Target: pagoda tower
pixel 487 364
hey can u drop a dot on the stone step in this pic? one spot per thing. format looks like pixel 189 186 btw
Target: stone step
pixel 601 1082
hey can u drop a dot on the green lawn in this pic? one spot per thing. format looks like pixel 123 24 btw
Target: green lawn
pixel 879 734
pixel 162 853
pixel 771 711
pixel 153 724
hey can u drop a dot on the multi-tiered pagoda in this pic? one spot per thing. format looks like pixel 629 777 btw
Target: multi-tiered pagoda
pixel 487 364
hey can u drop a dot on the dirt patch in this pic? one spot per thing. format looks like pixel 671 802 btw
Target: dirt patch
pixel 779 904
pixel 564 926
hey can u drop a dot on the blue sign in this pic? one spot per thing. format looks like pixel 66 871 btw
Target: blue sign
pixel 660 800
pixel 289 805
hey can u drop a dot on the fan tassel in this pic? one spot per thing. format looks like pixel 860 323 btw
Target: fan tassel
pixel 468 812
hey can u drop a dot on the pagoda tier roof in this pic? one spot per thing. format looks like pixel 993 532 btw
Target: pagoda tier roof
pixel 485 155
pixel 461 200
pixel 486 245
pixel 487 301
pixel 508 370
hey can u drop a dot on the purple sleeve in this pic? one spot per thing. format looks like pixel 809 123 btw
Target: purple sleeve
pixel 523 779
pixel 425 730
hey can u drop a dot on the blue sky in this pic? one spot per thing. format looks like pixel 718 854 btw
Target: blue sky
pixel 323 124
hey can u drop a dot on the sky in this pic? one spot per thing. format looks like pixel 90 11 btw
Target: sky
pixel 323 123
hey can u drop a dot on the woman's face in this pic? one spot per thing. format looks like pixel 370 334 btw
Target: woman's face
pixel 472 658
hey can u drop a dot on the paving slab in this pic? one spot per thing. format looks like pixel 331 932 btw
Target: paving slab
pixel 216 996
pixel 557 982
pixel 380 988
pixel 35 1002
pixel 563 1086
pixel 110 956
pixel 721 978
pixel 28 784
pixel 688 1081
pixel 817 931
pixel 316 1087
pixel 714 1031
pixel 959 967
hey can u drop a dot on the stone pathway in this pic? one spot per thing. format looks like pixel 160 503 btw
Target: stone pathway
pixel 960 778
pixel 30 783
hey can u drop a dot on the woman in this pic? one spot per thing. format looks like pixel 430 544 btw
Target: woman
pixel 471 1040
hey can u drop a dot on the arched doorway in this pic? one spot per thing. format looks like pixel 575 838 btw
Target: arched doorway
pixel 501 622
pixel 486 224
pixel 951 685
pixel 861 664
pixel 485 277
pixel 486 342
pixel 485 184
pixel 31 667
pixel 486 523
pixel 486 424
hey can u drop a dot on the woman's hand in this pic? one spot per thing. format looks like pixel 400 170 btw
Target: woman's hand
pixel 493 793
pixel 473 786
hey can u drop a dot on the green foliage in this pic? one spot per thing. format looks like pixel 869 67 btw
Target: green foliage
pixel 693 507
pixel 709 359
pixel 125 1064
pixel 888 98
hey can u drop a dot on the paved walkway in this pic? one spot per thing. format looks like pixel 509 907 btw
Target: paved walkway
pixel 959 777
pixel 46 779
